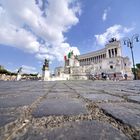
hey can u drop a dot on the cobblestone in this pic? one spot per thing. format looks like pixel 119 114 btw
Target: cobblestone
pixel 128 113
pixel 134 98
pixel 70 110
pixel 86 130
pixel 102 97
pixel 59 107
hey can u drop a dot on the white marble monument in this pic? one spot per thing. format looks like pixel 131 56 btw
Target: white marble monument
pixel 108 60
pixel 45 71
pixel 19 74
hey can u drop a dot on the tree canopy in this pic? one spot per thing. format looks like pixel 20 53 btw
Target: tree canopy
pixel 4 71
pixel 138 65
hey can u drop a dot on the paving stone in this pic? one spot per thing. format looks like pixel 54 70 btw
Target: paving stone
pixel 134 98
pixel 8 115
pixel 60 90
pixel 128 113
pixel 86 130
pixel 60 107
pixel 60 95
pixel 5 119
pixel 20 94
pixel 102 97
pixel 128 88
pixel 84 91
pixel 131 91
pixel 118 92
pixel 16 101
pixel 62 100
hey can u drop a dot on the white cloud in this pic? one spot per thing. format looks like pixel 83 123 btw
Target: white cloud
pixel 22 22
pixel 104 16
pixel 127 30
pixel 57 51
pixel 117 31
pixel 19 38
pixel 28 69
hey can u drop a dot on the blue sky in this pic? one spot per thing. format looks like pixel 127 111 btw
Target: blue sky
pixel 50 28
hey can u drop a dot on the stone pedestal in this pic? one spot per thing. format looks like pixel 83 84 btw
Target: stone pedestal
pixel 18 77
pixel 45 75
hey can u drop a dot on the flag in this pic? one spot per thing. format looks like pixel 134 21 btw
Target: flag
pixel 69 55
pixel 65 57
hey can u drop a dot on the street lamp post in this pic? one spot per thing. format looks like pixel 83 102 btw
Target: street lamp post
pixel 129 43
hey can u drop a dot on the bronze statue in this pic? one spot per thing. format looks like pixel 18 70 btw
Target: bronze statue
pixel 112 40
pixel 19 70
pixel 46 63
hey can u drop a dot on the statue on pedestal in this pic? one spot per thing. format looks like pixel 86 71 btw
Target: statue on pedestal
pixel 46 65
pixel 19 74
pixel 19 70
pixel 112 40
pixel 45 71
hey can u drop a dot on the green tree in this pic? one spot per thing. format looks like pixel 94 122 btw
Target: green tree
pixel 138 65
pixel 4 71
pixel 1 67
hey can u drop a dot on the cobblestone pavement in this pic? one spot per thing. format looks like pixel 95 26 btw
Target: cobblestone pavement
pixel 70 110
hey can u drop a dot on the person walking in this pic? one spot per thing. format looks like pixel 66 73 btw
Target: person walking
pixel 125 76
pixel 114 76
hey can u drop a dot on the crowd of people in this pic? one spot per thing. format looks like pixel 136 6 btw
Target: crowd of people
pixel 105 76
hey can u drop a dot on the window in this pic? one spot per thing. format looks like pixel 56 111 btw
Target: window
pixel 115 51
pixel 109 54
pixel 112 50
pixel 111 67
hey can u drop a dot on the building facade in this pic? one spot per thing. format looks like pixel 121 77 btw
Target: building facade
pixel 108 60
